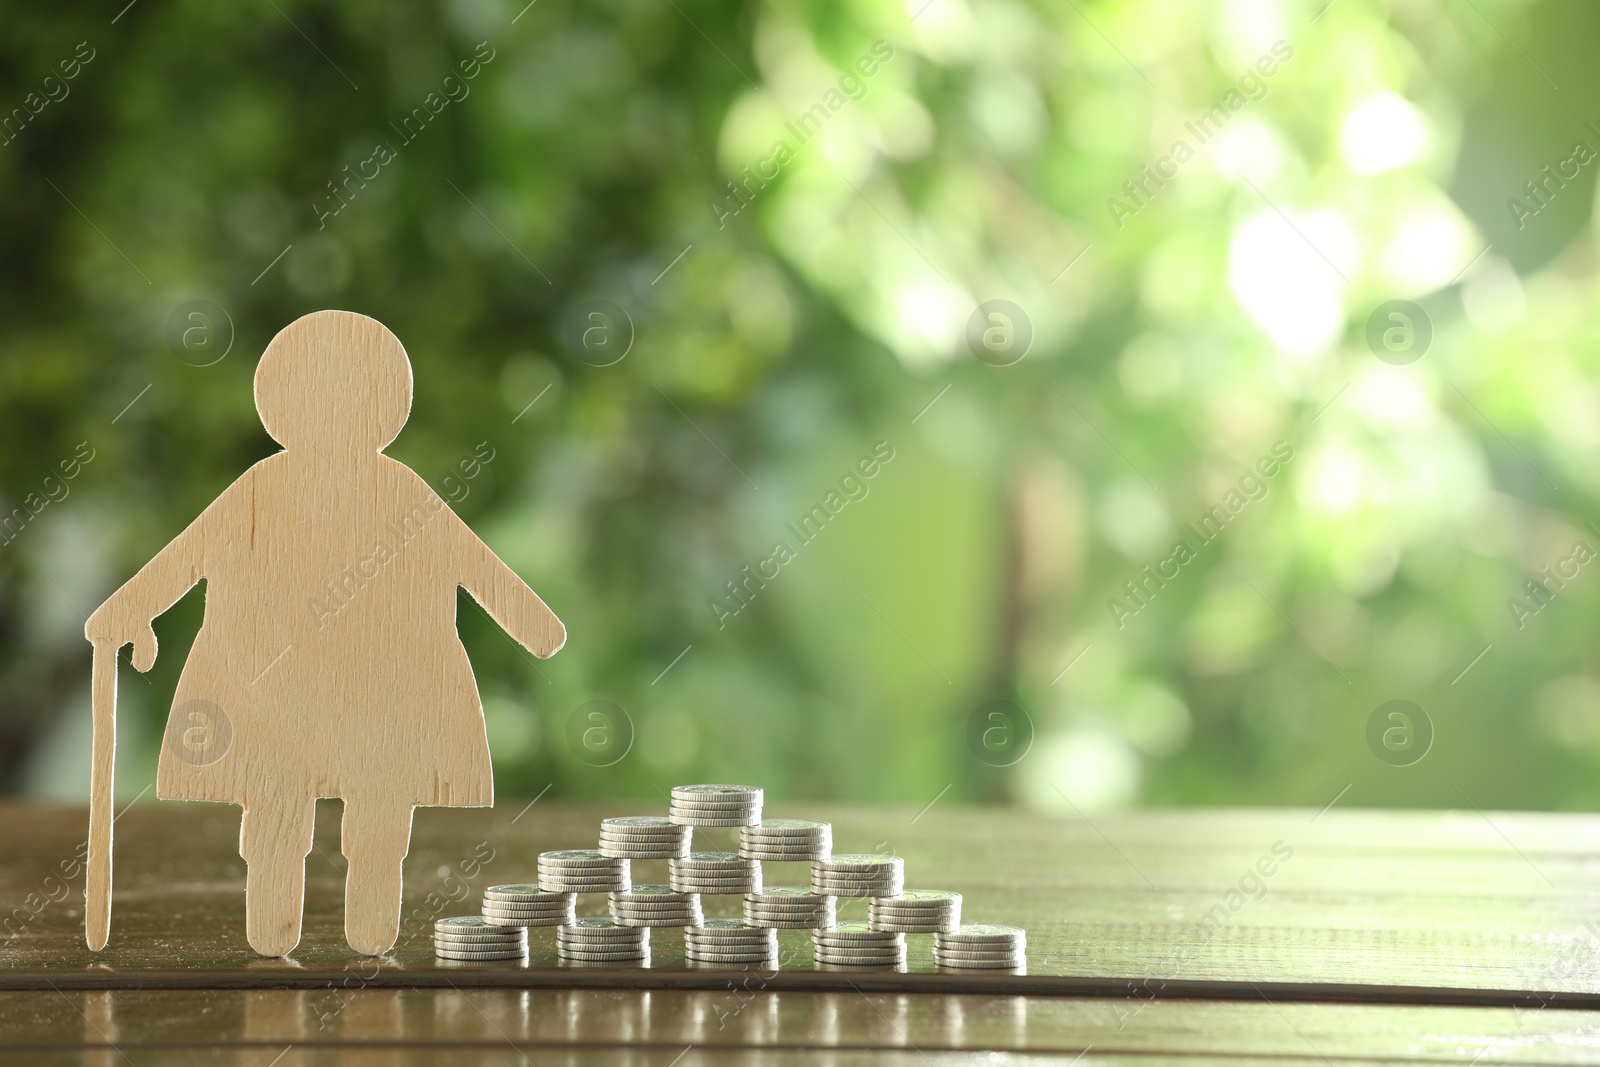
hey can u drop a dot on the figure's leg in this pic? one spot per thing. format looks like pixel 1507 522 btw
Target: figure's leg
pixel 274 843
pixel 375 838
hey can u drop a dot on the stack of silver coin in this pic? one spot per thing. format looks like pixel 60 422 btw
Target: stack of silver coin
pixel 788 907
pixel 858 945
pixel 981 946
pixel 655 905
pixel 715 805
pixel 917 911
pixel 730 941
pixel 644 837
pixel 577 870
pixel 858 875
pixel 526 905
pixel 786 840
pixel 600 940
pixel 469 937
pixel 714 873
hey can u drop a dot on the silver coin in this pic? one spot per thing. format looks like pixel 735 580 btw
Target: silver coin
pixel 574 857
pixel 635 823
pixel 595 923
pixel 733 957
pixel 786 912
pixel 591 925
pixel 483 929
pixel 767 855
pixel 487 930
pixel 664 922
pixel 710 806
pixel 482 956
pixel 700 933
pixel 637 852
pixel 651 893
pixel 650 912
pixel 691 817
pixel 614 931
pixel 682 834
pixel 858 951
pixel 563 903
pixel 890 883
pixel 587 884
pixel 978 950
pixel 714 878
pixel 810 914
pixel 712 861
pixel 611 931
pixel 522 893
pixel 700 820
pixel 447 945
pixel 745 934
pixel 973 961
pixel 503 936
pixel 757 966
pixel 785 894
pixel 739 938
pixel 923 898
pixel 791 828
pixel 789 924
pixel 860 931
pixel 695 792
pixel 721 923
pixel 549 920
pixel 601 957
pixel 860 861
pixel 460 923
pixel 623 916
pixel 988 933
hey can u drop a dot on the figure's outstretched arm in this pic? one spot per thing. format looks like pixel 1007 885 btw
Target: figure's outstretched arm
pixel 505 596
pixel 127 614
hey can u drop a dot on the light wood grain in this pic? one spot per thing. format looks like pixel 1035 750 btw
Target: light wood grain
pixel 722 1026
pixel 328 664
pixel 1374 906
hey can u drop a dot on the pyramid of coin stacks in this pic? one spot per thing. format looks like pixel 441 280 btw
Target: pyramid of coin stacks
pixel 893 912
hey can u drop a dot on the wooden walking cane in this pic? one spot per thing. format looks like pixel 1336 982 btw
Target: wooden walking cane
pixel 97 890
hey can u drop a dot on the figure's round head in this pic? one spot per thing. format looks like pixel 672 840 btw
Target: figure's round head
pixel 334 380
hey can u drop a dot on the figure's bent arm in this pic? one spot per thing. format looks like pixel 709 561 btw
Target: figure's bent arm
pixel 127 614
pixel 504 595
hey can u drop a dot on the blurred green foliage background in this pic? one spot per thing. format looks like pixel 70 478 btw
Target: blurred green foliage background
pixel 775 336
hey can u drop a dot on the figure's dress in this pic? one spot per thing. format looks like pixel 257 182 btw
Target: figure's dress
pixel 304 671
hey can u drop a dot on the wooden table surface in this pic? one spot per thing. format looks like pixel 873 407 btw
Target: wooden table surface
pixel 1166 936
